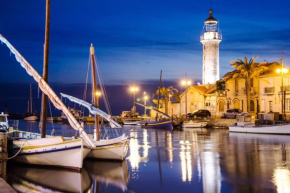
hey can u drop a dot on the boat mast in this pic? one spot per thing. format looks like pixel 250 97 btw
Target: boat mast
pixel 42 124
pixel 95 92
pixel 158 94
pixel 30 99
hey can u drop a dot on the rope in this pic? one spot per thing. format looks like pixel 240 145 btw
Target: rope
pixel 53 132
pixel 9 158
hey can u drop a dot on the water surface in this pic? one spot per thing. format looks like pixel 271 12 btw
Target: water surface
pixel 193 160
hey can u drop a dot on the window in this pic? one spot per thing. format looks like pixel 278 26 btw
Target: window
pixel 270 105
pixel 236 85
pixel 263 105
pixel 252 105
pixel 287 104
pixel 221 106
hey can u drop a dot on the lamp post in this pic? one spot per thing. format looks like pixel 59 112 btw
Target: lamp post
pixel 185 82
pixel 283 93
pixel 134 89
pixel 145 97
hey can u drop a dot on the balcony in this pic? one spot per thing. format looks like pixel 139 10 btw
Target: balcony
pixel 253 91
pixel 285 88
pixel 269 90
pixel 221 93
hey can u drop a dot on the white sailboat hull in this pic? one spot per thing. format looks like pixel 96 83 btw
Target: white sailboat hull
pixel 269 129
pixel 130 122
pixel 111 149
pixel 31 118
pixel 52 151
pixel 194 125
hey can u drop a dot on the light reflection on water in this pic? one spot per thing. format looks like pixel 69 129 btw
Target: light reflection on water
pixel 199 160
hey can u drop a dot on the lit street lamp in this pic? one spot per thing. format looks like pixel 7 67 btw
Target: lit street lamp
pixel 185 83
pixel 283 93
pixel 134 89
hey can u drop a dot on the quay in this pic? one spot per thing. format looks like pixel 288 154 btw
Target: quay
pixel 5 187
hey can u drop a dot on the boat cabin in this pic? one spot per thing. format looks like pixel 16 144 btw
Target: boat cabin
pixel 4 121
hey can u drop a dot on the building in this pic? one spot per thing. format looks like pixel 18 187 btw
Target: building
pixel 265 92
pixel 210 39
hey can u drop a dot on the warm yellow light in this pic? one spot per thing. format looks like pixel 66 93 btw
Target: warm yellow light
pixel 145 97
pixel 98 93
pixel 283 70
pixel 134 89
pixel 185 82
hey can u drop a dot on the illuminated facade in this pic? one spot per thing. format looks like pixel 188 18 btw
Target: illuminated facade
pixel 210 39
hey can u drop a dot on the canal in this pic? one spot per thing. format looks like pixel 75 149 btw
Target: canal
pixel 193 160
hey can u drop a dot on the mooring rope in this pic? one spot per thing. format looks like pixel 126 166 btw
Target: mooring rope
pixel 9 158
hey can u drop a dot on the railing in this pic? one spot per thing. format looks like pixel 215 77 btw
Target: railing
pixel 285 88
pixel 269 90
pixel 221 93
pixel 253 90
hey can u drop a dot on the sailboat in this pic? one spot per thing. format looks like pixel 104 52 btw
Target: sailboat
pixel 111 149
pixel 30 115
pixel 165 123
pixel 53 150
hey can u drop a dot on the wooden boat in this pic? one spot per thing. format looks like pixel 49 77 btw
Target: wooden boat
pixel 192 124
pixel 30 148
pixel 165 123
pixel 156 124
pixel 30 115
pixel 40 179
pixel 51 151
pixel 111 149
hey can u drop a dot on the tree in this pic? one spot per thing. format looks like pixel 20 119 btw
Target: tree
pixel 165 93
pixel 247 70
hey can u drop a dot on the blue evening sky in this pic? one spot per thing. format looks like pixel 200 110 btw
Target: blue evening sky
pixel 135 39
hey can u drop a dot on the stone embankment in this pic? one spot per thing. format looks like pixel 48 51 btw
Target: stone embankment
pixel 221 123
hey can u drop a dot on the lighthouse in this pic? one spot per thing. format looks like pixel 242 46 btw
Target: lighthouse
pixel 210 39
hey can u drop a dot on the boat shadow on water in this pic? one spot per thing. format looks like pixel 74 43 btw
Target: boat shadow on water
pixel 96 176
pixel 47 179
pixel 109 175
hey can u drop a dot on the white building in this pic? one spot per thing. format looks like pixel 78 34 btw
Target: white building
pixel 210 39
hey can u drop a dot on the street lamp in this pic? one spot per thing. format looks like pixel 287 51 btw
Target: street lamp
pixel 185 83
pixel 145 97
pixel 283 93
pixel 134 89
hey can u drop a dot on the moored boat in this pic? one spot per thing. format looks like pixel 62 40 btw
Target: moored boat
pixel 244 125
pixel 52 151
pixel 130 122
pixel 192 124
pixel 156 124
pixel 30 148
pixel 4 122
pixel 110 149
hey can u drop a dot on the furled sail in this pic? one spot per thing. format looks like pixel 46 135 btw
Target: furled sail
pixel 93 110
pixel 48 91
pixel 154 109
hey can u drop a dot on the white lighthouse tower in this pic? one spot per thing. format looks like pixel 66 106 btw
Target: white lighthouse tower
pixel 210 39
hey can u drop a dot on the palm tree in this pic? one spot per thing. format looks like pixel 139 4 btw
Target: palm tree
pixel 165 93
pixel 247 70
